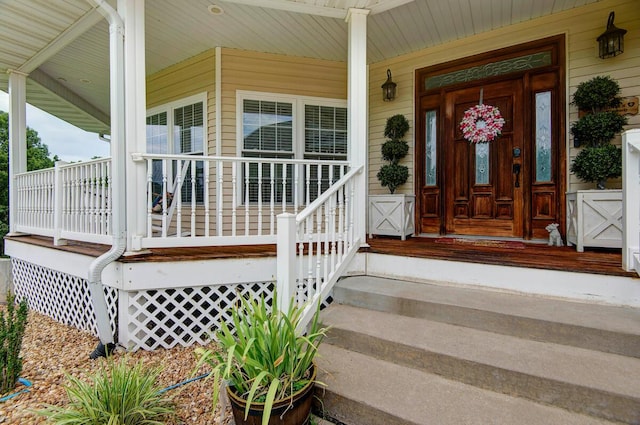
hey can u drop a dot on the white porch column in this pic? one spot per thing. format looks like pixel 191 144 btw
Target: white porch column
pixel 630 198
pixel 132 12
pixel 358 108
pixel 17 137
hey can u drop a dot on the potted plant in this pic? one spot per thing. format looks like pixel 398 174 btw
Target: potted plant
pixel 594 217
pixel 266 363
pixel 598 160
pixel 393 214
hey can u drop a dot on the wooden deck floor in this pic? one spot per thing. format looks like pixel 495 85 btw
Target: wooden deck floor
pixel 508 253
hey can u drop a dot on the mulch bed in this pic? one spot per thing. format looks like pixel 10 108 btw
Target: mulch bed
pixel 50 350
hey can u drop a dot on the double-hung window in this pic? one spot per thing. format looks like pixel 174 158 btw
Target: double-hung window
pixel 178 128
pixel 290 127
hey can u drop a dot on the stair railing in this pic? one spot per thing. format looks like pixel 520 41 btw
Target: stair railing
pixel 631 200
pixel 316 246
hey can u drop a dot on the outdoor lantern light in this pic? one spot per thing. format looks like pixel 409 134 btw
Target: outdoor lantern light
pixel 389 88
pixel 611 42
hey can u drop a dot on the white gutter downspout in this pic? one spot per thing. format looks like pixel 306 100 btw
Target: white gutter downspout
pixel 118 154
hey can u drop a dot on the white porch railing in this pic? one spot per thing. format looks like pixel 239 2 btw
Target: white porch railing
pixel 35 203
pixel 316 246
pixel 631 200
pixel 210 200
pixel 69 201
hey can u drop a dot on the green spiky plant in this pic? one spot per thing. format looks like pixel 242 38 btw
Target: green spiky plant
pixel 118 394
pixel 393 174
pixel 264 359
pixel 12 328
pixel 598 160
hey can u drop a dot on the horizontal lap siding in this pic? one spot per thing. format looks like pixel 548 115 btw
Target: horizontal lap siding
pixel 262 72
pixel 249 71
pixel 191 77
pixel 581 26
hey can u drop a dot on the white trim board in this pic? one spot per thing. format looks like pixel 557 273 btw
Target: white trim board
pixel 616 290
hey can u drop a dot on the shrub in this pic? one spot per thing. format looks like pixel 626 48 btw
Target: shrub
pixel 599 128
pixel 393 174
pixel 597 93
pixel 596 164
pixel 598 160
pixel 12 327
pixel 118 395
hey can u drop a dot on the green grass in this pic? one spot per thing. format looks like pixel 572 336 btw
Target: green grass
pixel 117 395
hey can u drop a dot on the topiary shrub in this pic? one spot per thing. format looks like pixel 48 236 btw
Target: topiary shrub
pixel 597 94
pixel 598 128
pixel 598 163
pixel 393 175
pixel 598 160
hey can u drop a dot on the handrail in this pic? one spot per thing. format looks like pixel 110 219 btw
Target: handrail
pixel 312 207
pixel 137 157
pixel 316 246
pixel 631 200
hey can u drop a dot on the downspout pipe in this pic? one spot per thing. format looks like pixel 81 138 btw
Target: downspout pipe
pixel 118 155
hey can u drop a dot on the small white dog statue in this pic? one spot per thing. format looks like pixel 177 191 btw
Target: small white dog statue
pixel 554 236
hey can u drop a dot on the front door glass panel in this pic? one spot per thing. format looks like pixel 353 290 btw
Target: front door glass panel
pixel 482 163
pixel 543 136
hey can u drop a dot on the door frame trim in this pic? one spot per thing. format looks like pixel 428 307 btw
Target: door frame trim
pixel 557 45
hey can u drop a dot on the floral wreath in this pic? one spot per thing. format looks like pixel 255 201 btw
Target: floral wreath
pixel 481 124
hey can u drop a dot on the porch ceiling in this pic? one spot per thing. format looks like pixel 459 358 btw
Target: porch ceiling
pixel 63 44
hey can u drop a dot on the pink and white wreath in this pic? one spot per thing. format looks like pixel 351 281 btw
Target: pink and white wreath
pixel 481 124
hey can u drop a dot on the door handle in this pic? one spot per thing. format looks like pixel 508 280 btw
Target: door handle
pixel 516 171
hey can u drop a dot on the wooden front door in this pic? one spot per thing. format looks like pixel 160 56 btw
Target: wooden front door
pixel 484 188
pixel 512 186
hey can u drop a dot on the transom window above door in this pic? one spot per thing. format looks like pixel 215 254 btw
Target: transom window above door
pixel 290 127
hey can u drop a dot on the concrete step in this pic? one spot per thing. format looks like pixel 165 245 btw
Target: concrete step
pixel 595 383
pixel 596 327
pixel 362 390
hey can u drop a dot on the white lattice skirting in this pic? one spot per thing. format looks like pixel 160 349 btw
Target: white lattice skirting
pixel 63 297
pixel 183 316
pixel 145 319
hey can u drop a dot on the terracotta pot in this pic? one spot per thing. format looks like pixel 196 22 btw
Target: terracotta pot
pixel 282 413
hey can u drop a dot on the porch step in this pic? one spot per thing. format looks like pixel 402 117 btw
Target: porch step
pixel 401 360
pixel 593 326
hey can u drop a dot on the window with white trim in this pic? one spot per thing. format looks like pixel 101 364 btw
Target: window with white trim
pixel 178 128
pixel 293 127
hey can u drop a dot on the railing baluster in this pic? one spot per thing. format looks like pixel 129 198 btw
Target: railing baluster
pixel 318 279
pixel 296 191
pixel 194 195
pixel 272 199
pixel 259 199
pixel 207 200
pixel 177 197
pixel 309 239
pixel 247 198
pixel 150 197
pixel 220 198
pixel 234 192
pixel 327 247
pixel 284 187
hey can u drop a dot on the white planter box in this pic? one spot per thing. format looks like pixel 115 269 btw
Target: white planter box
pixel 391 215
pixel 594 218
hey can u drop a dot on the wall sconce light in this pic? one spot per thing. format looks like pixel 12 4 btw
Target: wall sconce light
pixel 388 88
pixel 611 42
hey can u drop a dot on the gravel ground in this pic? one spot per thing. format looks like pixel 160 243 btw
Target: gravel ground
pixel 51 349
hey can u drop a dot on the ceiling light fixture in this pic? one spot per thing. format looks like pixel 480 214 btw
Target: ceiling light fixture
pixel 216 10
